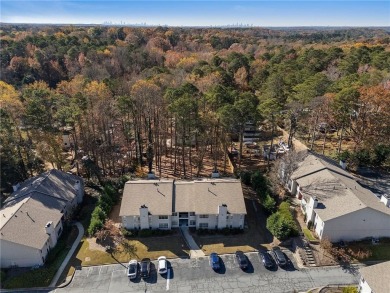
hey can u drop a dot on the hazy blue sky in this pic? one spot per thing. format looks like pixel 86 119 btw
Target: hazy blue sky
pixel 202 13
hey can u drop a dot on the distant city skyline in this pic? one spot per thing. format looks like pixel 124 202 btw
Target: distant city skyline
pixel 199 13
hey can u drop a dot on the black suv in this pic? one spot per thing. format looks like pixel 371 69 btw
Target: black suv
pixel 279 256
pixel 241 260
pixel 145 268
pixel 266 259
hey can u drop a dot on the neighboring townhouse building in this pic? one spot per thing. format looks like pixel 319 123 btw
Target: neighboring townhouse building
pixel 32 217
pixel 375 278
pixel 338 207
pixel 166 204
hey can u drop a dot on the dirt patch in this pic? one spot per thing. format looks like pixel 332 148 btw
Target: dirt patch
pixel 95 246
pixel 114 214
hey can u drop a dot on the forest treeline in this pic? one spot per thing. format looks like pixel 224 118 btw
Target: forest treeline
pixel 135 95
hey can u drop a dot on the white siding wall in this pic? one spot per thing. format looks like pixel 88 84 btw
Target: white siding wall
pixel 175 221
pixel 13 254
pixel 358 225
pixel 319 226
pixel 130 222
pixel 364 287
pixel 212 221
pixel 155 222
pixel 236 221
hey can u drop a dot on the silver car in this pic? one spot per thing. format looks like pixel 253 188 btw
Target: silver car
pixel 132 269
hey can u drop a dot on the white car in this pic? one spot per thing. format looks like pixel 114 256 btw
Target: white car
pixel 162 265
pixel 132 269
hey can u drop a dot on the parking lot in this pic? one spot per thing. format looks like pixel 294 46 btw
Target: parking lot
pixel 195 275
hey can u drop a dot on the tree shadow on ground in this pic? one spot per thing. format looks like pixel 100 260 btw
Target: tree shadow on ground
pixel 253 237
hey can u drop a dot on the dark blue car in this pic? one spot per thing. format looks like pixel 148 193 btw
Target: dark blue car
pixel 214 261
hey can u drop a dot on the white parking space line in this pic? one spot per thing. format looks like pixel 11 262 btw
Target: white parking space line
pixel 168 278
pixel 89 270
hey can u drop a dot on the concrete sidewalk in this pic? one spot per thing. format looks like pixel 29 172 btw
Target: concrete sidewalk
pixel 69 255
pixel 195 251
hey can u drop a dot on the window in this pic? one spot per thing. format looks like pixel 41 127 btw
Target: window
pixel 192 214
pixel 163 217
pixel 174 214
pixel 203 216
pixel 192 223
pixel 174 223
pixel 203 225
pixel 163 225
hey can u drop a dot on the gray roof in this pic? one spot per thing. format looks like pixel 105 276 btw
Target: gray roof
pixel 38 200
pixel 377 277
pixel 337 191
pixel 54 183
pixel 27 224
pixel 201 197
pixel 155 194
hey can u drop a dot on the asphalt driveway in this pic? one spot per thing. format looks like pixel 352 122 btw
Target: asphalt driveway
pixel 195 275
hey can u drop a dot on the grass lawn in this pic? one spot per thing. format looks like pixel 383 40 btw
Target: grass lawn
pixel 380 251
pixel 151 247
pixel 308 234
pixel 256 236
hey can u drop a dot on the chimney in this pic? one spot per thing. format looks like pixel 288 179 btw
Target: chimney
pixel 313 202
pixel 16 186
pixel 385 198
pixel 144 217
pixel 343 164
pixel 49 229
pixel 77 185
pixel 222 213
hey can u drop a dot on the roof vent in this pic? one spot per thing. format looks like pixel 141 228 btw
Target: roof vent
pixel 16 187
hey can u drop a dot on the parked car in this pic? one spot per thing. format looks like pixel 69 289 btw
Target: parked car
pixel 162 265
pixel 266 259
pixel 214 261
pixel 241 260
pixel 132 269
pixel 279 256
pixel 145 268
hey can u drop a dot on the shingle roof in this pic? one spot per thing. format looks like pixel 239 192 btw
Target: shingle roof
pixel 209 194
pixel 337 191
pixel 38 200
pixel 155 194
pixel 377 277
pixel 54 183
pixel 27 224
pixel 184 197
pixel 201 197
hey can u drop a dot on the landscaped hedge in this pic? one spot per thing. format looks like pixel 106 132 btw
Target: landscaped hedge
pixel 260 184
pixel 224 231
pixel 281 224
pixel 108 197
pixel 145 233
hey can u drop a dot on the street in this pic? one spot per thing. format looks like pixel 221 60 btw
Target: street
pixel 195 275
